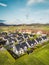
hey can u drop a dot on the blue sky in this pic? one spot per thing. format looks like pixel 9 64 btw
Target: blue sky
pixel 24 11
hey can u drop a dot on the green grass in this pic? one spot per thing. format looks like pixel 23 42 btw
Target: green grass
pixel 6 58
pixel 38 57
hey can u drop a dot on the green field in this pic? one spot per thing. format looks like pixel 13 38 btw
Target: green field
pixel 14 28
pixel 39 57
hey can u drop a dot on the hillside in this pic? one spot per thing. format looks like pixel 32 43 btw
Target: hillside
pixel 38 57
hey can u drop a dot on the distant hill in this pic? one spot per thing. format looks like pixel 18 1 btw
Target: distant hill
pixel 33 24
pixel 2 24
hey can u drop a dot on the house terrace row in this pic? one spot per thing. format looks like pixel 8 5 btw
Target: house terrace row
pixel 22 39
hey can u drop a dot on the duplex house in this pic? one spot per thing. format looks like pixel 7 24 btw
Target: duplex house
pixel 2 42
pixel 31 42
pixel 44 38
pixel 24 46
pixel 38 40
pixel 20 48
pixel 17 49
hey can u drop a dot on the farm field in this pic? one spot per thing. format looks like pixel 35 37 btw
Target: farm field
pixel 14 28
pixel 38 57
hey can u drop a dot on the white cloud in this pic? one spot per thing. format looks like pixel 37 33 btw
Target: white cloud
pixel 33 19
pixel 13 22
pixel 30 2
pixel 41 16
pixel 10 22
pixel 2 4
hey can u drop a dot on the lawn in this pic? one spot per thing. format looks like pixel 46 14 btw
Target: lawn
pixel 38 57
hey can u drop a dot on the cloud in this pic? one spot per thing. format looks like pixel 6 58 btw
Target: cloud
pixel 10 22
pixel 30 2
pixel 17 21
pixel 2 4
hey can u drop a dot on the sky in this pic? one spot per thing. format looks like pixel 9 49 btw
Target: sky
pixel 24 11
